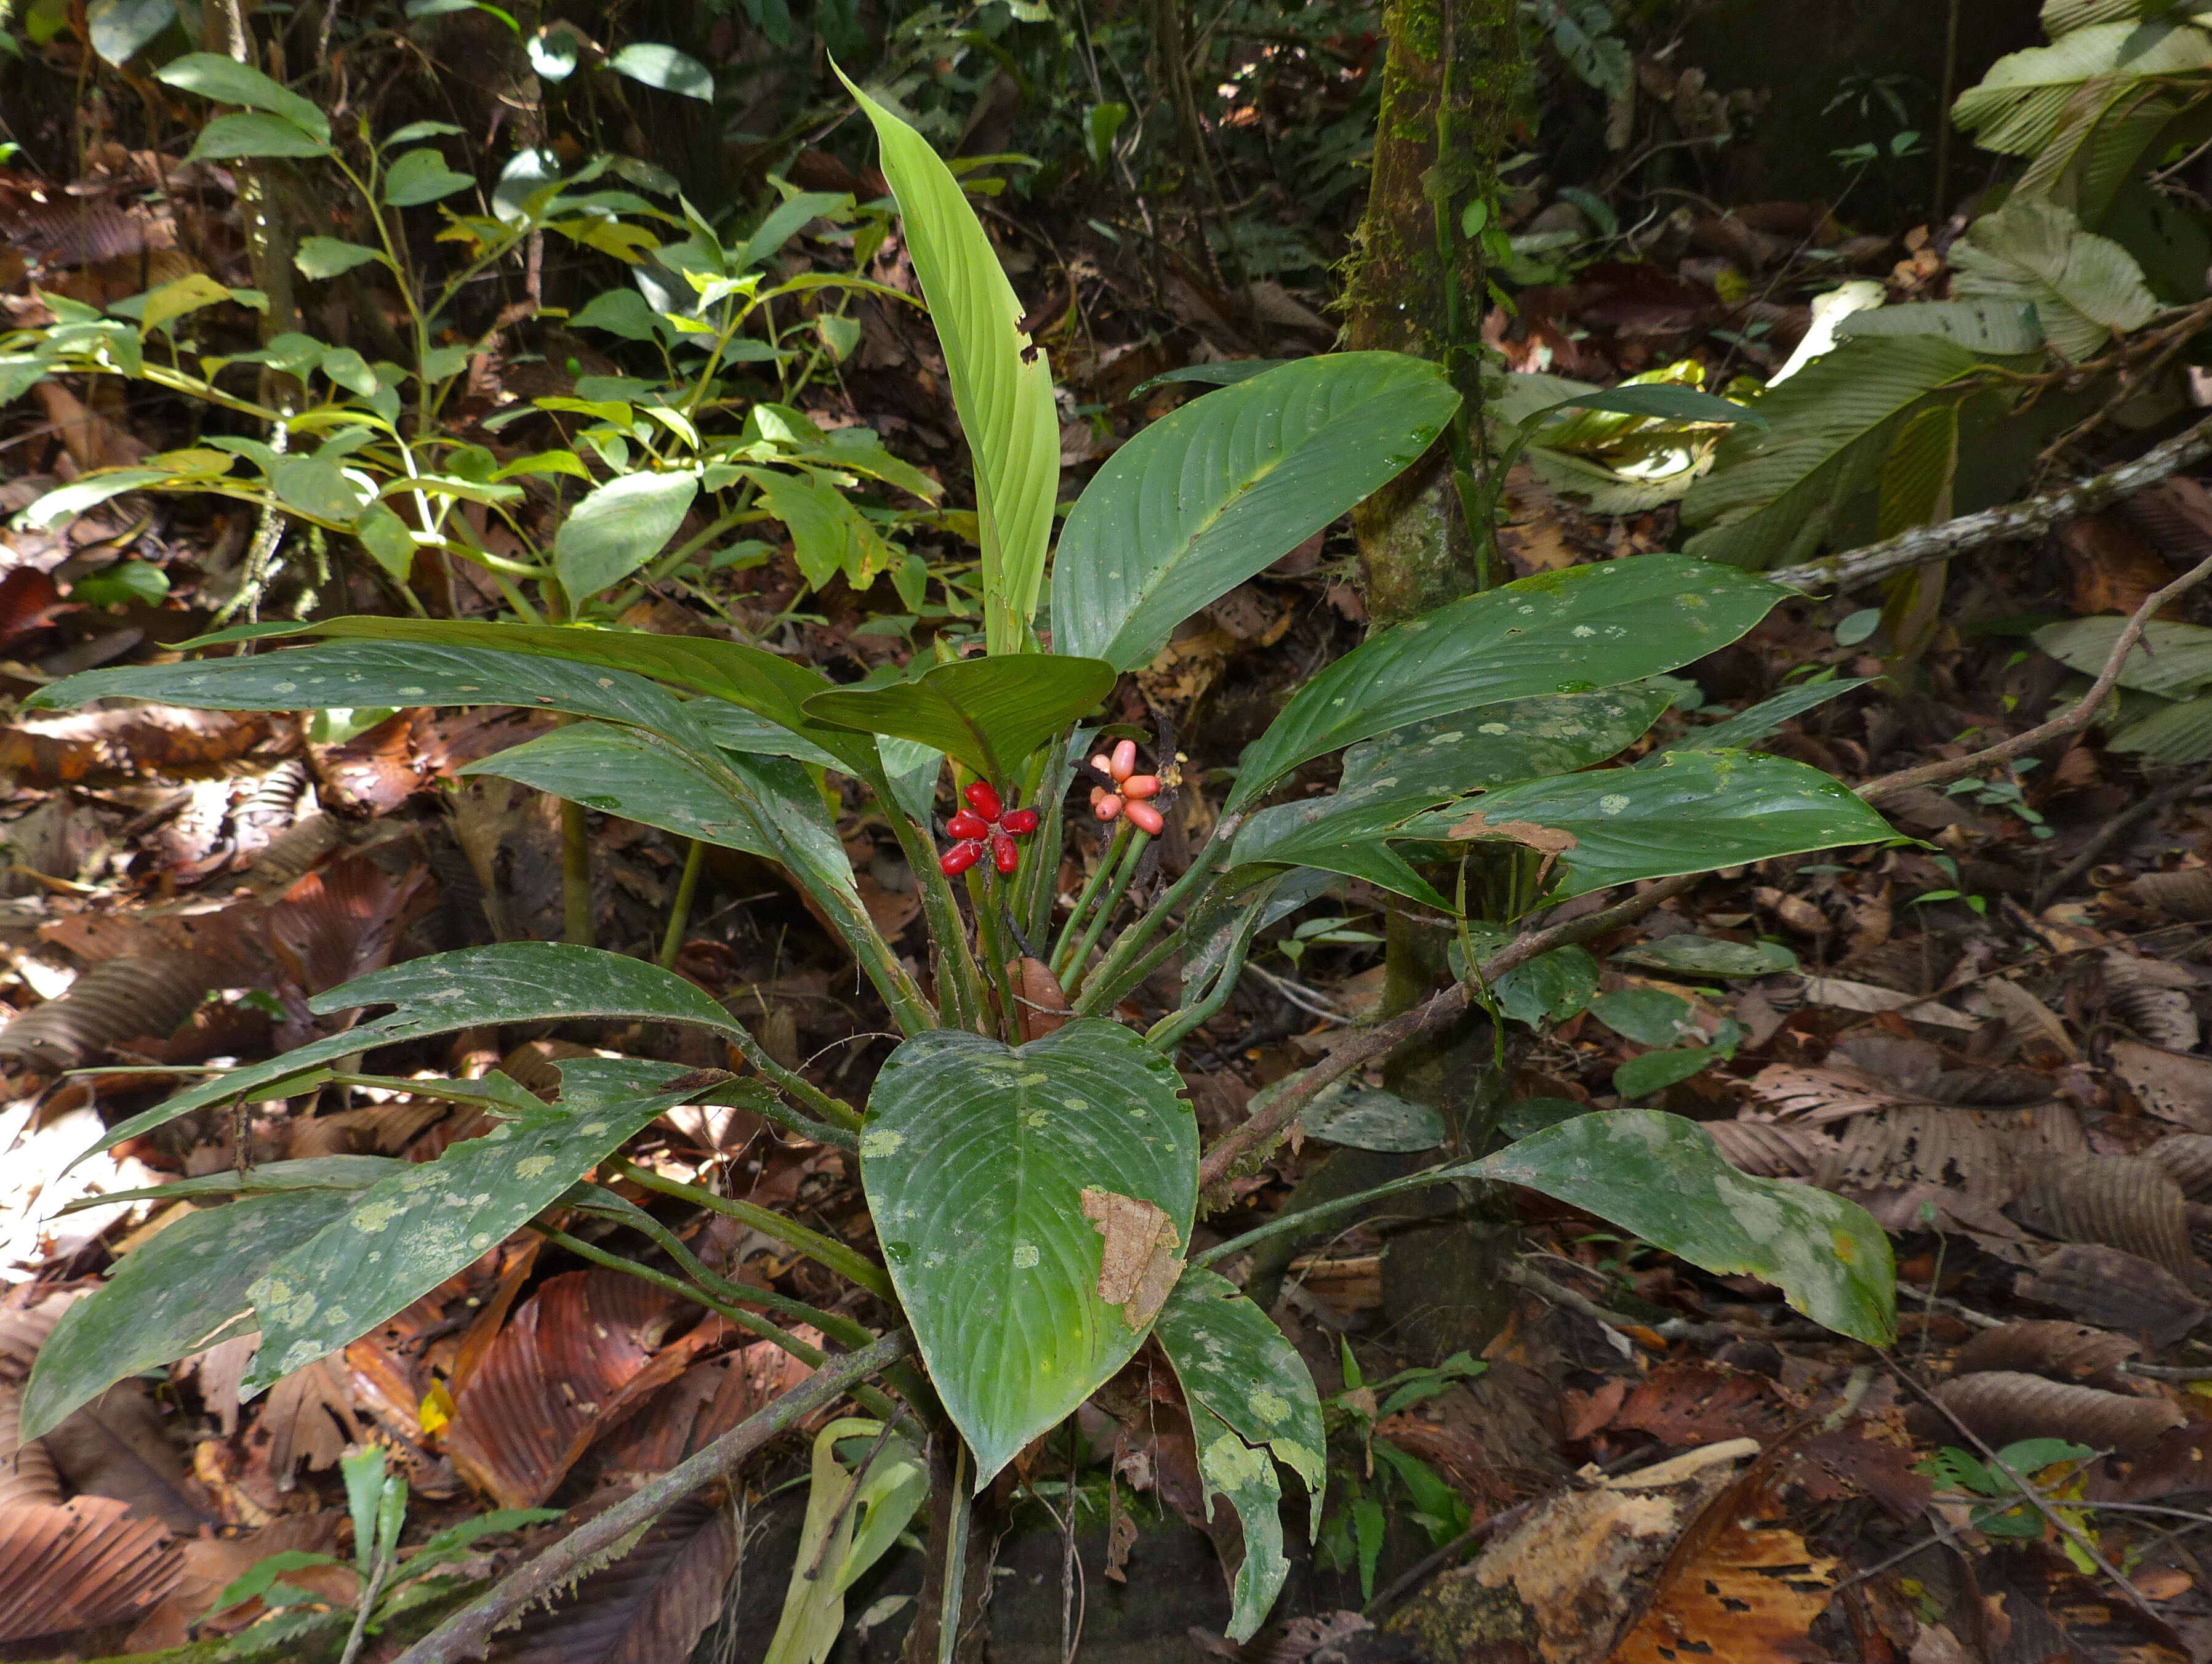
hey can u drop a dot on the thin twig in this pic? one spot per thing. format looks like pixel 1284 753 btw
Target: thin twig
pixel 465 1634
pixel 2018 520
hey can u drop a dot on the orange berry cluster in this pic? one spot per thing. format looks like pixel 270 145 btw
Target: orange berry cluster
pixel 1130 789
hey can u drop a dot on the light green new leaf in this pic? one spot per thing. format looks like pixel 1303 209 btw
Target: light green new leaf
pixel 317 489
pixel 73 499
pixel 998 1177
pixel 421 176
pixel 991 713
pixel 852 1519
pixel 619 528
pixel 406 1234
pixel 1771 496
pixel 1690 955
pixel 1001 382
pixel 119 29
pixel 388 538
pixel 2084 288
pixel 242 137
pixel 1252 1404
pixel 1577 631
pixel 320 258
pixel 651 65
pixel 1696 811
pixel 829 535
pixel 1204 497
pixel 184 1289
pixel 1661 1179
pixel 225 79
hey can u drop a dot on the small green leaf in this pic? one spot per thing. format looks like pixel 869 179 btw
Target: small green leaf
pixel 179 1291
pixel 242 137
pixel 998 1177
pixel 320 258
pixel 828 536
pixel 1646 1016
pixel 386 536
pixel 991 713
pixel 1367 1118
pixel 72 500
pixel 1692 956
pixel 1655 1071
pixel 351 371
pixel 416 132
pixel 125 581
pixel 218 76
pixel 421 176
pixel 619 528
pixel 1747 727
pixel 553 53
pixel 317 489
pixel 665 68
pixel 120 29
pixel 1661 1179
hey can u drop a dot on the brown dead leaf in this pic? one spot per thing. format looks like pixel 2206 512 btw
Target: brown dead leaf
pixel 1139 1263
pixel 2002 1407
pixel 143 997
pixel 2055 1350
pixel 1696 1403
pixel 2114 569
pixel 2174 1085
pixel 2124 1202
pixel 211 1565
pixel 2114 1290
pixel 115 1446
pixel 72 1565
pixel 96 746
pixel 1552 841
pixel 91 439
pixel 309 1417
pixel 1043 1001
pixel 650 1606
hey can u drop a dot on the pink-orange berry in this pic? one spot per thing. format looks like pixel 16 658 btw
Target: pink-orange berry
pixel 1145 818
pixel 1106 805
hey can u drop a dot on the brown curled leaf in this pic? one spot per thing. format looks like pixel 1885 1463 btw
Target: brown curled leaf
pixel 1140 1265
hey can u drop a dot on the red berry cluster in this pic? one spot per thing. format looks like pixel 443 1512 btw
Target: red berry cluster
pixel 1128 792
pixel 986 821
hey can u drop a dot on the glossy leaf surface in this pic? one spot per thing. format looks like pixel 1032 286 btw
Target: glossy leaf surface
pixel 991 713
pixel 1207 497
pixel 982 1165
pixel 1573 631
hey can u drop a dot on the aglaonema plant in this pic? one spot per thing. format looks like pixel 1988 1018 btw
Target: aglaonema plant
pixel 1031 1162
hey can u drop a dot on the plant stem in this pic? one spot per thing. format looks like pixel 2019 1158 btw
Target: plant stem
pixel 466 1633
pixel 680 912
pixel 956 1558
pixel 1106 988
pixel 365 1606
pixel 959 988
pixel 982 900
pixel 1169 1033
pixel 1124 874
pixel 1096 882
pixel 825 1250
pixel 575 875
pixel 1202 872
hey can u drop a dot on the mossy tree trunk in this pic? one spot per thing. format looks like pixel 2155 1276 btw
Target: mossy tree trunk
pixel 1453 92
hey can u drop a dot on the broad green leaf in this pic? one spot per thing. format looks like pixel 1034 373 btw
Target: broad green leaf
pixel 1577 631
pixel 125 581
pixel 421 176
pixel 1661 1179
pixel 664 67
pixel 182 1289
pixel 310 1173
pixel 317 489
pixel 991 713
pixel 119 29
pixel 213 75
pixel 783 222
pixel 619 528
pixel 613 770
pixel 2174 732
pixel 1696 811
pixel 1690 955
pixel 242 137
pixel 388 538
pixel 1001 382
pixel 508 982
pixel 1449 757
pixel 73 499
pixel 829 535
pixel 2172 660
pixel 1918 473
pixel 1224 373
pixel 405 1235
pixel 2019 104
pixel 1549 989
pixel 1741 731
pixel 983 1166
pixel 2086 288
pixel 1663 401
pixel 1649 1016
pixel 326 257
pixel 621 311
pixel 1252 1404
pixel 2001 328
pixel 1367 1118
pixel 735 728
pixel 1204 497
pixel 1771 496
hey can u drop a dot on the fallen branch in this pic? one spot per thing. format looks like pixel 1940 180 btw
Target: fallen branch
pixel 1248 1142
pixel 466 1634
pixel 2017 520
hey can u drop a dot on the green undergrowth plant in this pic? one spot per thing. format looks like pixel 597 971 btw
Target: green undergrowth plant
pixel 1030 1161
pixel 374 451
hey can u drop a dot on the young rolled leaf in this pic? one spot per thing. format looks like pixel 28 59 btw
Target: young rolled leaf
pixel 1694 812
pixel 1001 382
pixel 181 1290
pixel 991 713
pixel 1204 497
pixel 1661 1179
pixel 1253 1403
pixel 1573 631
pixel 1035 1205
pixel 405 1235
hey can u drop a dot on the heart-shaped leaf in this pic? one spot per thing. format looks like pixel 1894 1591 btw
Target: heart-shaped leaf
pixel 991 713
pixel 1034 1204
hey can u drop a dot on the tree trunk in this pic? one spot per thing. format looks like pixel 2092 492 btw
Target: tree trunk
pixel 1452 92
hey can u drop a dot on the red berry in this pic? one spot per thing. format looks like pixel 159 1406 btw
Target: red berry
pixel 1141 785
pixel 967 824
pixel 983 800
pixel 1124 759
pixel 1145 818
pixel 1003 854
pixel 960 858
pixel 1106 805
pixel 1020 822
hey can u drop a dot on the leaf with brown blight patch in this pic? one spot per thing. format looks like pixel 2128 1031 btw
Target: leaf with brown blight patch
pixel 1139 1266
